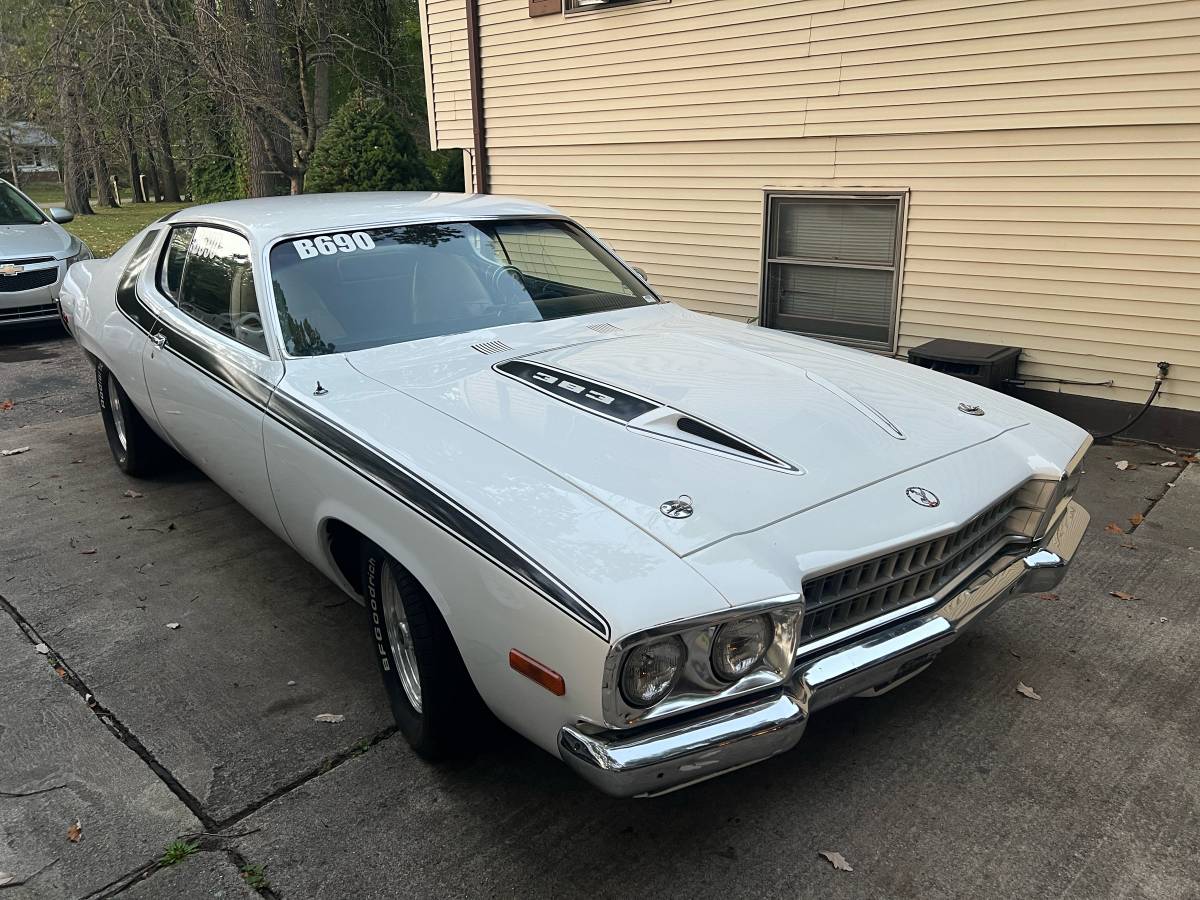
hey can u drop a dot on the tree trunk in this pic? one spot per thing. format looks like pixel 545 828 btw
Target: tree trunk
pixel 135 170
pixel 260 180
pixel 154 182
pixel 74 157
pixel 170 187
pixel 321 76
pixel 104 189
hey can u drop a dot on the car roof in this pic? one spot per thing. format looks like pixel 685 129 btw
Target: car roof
pixel 269 218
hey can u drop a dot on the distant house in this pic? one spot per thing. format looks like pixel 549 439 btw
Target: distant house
pixel 1016 172
pixel 27 152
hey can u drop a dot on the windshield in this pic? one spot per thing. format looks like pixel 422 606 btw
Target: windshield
pixel 353 290
pixel 16 210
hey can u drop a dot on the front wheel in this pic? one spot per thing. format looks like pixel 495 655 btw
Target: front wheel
pixel 137 450
pixel 433 700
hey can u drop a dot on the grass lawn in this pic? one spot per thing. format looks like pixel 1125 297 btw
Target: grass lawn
pixel 108 229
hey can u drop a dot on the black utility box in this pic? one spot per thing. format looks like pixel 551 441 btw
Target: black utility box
pixel 987 364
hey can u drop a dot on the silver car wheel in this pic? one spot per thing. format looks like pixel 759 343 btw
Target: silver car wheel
pixel 400 638
pixel 118 415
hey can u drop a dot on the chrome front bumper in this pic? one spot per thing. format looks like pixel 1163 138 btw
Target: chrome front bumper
pixel 657 759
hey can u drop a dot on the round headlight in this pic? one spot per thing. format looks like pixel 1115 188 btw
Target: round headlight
pixel 740 646
pixel 651 670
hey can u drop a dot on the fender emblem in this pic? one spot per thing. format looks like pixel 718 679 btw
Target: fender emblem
pixel 923 497
pixel 679 508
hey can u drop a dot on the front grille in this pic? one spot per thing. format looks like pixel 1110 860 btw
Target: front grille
pixel 33 260
pixel 839 600
pixel 19 313
pixel 27 281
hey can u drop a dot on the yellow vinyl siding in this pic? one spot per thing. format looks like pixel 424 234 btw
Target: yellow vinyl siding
pixel 1050 148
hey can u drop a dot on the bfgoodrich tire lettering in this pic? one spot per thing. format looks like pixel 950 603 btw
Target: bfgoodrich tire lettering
pixel 437 720
pixel 136 449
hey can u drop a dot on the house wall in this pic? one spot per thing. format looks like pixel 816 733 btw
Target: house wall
pixel 1051 149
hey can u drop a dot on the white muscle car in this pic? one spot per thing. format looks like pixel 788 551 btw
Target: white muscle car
pixel 652 541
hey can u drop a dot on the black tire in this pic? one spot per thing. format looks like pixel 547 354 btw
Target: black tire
pixel 450 706
pixel 141 452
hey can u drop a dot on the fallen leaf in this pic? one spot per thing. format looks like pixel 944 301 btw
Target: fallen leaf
pixel 75 832
pixel 1026 691
pixel 41 648
pixel 6 878
pixel 14 451
pixel 1122 595
pixel 332 718
pixel 1191 459
pixel 1114 528
pixel 134 494
pixel 291 684
pixel 837 860
pixel 127 516
pixel 87 552
pixel 172 625
pixel 1137 519
pixel 1169 464
pixel 1047 596
pixel 6 405
pixel 1122 464
pixel 1129 546
pixel 60 671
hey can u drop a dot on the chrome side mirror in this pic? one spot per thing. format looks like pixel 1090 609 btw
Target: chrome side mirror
pixel 60 215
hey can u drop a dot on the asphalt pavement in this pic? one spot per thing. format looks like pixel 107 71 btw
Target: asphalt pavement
pixel 953 785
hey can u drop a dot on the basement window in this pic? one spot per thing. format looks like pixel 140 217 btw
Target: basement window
pixel 579 6
pixel 831 266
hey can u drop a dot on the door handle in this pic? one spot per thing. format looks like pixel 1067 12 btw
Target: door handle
pixel 159 340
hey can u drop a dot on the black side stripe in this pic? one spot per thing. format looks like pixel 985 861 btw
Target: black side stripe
pixel 434 506
pixel 127 298
pixel 351 452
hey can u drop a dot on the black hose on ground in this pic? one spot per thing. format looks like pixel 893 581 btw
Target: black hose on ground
pixel 1158 382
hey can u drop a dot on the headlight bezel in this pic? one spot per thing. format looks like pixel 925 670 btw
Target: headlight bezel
pixel 82 253
pixel 697 683
pixel 1040 499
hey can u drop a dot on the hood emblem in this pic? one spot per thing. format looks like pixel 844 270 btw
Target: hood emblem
pixel 10 269
pixel 970 409
pixel 923 497
pixel 679 508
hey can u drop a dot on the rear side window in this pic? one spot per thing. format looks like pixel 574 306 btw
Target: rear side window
pixel 217 286
pixel 173 259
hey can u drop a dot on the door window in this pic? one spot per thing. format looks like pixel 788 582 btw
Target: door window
pixel 216 287
pixel 172 265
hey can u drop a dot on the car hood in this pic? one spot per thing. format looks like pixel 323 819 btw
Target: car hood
pixel 750 430
pixel 24 241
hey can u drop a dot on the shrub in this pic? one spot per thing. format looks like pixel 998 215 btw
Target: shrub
pixel 215 179
pixel 366 147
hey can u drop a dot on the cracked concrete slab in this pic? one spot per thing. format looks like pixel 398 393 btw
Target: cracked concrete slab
pixel 953 785
pixel 50 742
pixel 45 376
pixel 1176 518
pixel 204 876
pixel 1113 495
pixel 210 700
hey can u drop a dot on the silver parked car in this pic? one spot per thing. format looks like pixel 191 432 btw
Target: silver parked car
pixel 35 253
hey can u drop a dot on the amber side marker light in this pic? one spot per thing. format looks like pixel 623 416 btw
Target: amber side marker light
pixel 535 671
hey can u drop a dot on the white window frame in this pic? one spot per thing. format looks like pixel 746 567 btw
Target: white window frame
pixel 897 195
pixel 583 7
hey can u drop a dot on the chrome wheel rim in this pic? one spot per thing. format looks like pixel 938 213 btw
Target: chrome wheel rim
pixel 118 415
pixel 400 639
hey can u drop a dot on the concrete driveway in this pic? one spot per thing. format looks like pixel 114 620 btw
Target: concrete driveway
pixel 953 785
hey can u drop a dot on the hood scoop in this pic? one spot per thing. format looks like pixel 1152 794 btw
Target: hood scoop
pixel 640 414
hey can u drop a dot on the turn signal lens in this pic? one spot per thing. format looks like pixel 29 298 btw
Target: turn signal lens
pixel 740 646
pixel 535 671
pixel 651 670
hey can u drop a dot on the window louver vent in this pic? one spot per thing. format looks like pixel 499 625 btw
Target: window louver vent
pixel 605 328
